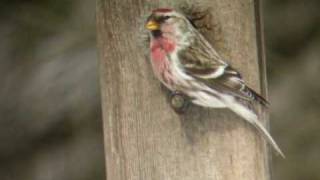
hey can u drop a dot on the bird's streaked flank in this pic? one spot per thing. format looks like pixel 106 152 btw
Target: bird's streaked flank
pixel 184 61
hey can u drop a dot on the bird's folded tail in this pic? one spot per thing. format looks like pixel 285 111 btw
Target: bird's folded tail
pixel 252 118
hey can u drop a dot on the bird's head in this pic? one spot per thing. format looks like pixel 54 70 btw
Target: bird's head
pixel 168 23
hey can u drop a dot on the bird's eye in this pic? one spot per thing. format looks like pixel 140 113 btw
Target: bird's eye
pixel 164 18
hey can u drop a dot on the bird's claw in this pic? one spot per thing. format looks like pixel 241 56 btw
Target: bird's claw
pixel 179 102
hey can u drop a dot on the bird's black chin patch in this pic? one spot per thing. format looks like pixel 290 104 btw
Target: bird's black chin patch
pixel 156 33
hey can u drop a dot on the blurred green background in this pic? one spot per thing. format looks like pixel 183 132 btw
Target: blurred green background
pixel 51 126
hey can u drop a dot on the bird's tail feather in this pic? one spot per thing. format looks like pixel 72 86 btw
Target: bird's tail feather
pixel 267 136
pixel 252 118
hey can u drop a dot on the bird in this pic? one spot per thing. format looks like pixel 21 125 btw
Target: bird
pixel 184 61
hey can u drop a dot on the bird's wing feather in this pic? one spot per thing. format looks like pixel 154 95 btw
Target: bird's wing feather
pixel 201 61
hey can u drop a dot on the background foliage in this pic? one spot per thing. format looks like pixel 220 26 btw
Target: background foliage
pixel 51 127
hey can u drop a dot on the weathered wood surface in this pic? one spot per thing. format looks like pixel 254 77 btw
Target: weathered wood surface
pixel 144 138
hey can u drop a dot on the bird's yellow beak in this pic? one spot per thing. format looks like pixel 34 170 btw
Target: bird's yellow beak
pixel 152 25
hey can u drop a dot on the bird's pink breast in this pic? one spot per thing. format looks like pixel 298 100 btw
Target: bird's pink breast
pixel 163 43
pixel 160 48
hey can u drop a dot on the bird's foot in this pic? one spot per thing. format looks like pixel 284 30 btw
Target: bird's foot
pixel 179 102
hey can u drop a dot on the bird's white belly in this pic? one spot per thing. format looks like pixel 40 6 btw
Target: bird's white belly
pixel 205 99
pixel 200 93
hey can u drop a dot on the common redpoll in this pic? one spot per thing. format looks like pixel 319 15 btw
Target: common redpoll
pixel 184 61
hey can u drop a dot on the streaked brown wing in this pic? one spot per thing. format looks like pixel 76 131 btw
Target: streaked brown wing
pixel 201 61
pixel 200 54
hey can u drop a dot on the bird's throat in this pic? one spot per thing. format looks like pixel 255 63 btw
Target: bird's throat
pixel 163 44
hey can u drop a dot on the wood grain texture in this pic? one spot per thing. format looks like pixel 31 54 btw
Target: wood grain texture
pixel 144 138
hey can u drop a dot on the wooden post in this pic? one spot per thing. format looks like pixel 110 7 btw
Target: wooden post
pixel 144 138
